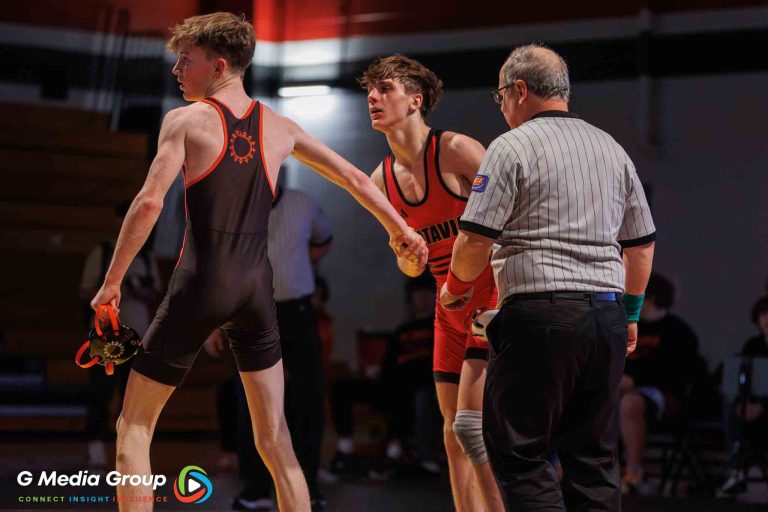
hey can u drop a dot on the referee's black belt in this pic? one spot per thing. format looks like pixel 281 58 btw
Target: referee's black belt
pixel 555 296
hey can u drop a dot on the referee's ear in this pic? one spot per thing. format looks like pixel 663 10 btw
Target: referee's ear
pixel 522 87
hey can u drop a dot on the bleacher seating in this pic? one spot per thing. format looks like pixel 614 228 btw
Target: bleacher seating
pixel 61 173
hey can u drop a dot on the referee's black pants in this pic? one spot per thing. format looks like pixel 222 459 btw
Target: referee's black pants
pixel 553 384
pixel 304 406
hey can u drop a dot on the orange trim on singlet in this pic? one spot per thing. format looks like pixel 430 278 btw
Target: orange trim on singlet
pixel 250 109
pixel 247 112
pixel 223 148
pixel 438 136
pixel 181 252
pixel 428 157
pixel 385 170
pixel 183 240
pixel 186 208
pixel 261 148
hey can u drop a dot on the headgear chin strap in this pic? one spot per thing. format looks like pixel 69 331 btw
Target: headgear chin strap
pixel 110 345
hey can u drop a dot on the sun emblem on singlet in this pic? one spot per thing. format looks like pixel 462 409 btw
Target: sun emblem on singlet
pixel 238 154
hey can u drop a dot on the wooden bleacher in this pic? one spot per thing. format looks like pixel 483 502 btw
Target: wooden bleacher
pixel 61 173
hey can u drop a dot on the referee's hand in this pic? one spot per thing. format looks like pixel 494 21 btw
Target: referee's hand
pixel 631 337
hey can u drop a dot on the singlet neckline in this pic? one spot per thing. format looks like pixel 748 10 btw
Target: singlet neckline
pixel 426 173
pixel 247 112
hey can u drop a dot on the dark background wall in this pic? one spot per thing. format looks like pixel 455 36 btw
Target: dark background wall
pixel 680 84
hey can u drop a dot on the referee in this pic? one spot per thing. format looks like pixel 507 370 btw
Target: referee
pixel 556 199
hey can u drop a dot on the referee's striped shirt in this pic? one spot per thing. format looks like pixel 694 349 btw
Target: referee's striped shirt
pixel 561 197
pixel 296 223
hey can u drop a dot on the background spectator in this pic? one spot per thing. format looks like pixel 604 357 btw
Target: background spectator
pixel 141 292
pixel 657 375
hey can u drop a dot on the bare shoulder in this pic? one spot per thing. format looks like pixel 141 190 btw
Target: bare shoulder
pixel 282 132
pixel 458 144
pixel 377 177
pixel 175 117
pixel 275 121
pixel 189 115
pixel 280 136
pixel 460 154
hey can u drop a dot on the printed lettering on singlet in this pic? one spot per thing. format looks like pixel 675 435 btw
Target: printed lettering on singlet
pixel 440 231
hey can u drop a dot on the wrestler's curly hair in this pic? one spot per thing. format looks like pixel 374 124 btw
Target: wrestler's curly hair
pixel 417 78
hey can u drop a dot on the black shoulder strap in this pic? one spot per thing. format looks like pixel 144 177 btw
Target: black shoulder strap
pixel 388 169
pixel 437 134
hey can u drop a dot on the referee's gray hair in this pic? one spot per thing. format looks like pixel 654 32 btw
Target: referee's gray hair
pixel 542 69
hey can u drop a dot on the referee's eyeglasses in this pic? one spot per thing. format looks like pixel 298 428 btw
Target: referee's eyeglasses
pixel 497 95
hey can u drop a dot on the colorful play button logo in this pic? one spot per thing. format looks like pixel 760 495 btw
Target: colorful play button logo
pixel 193 485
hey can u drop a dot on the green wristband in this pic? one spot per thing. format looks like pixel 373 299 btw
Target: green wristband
pixel 633 304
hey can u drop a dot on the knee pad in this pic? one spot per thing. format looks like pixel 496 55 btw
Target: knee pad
pixel 468 427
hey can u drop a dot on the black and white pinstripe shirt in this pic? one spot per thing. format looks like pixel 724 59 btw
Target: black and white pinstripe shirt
pixel 295 224
pixel 561 198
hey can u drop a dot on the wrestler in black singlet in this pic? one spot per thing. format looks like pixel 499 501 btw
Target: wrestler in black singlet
pixel 223 277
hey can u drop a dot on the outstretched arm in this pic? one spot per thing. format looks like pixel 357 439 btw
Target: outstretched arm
pixel 146 207
pixel 316 155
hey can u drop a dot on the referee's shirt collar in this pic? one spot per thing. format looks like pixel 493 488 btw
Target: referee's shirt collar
pixel 555 113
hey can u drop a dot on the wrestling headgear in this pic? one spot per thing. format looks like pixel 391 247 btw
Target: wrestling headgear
pixel 109 345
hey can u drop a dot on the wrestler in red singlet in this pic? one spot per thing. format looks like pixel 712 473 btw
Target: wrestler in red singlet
pixel 436 218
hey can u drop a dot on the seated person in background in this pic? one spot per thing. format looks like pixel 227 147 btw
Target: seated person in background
pixel 408 376
pixel 657 375
pixel 368 388
pixel 752 417
pixel 403 388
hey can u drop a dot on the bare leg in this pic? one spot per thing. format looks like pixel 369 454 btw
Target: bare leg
pixel 264 391
pixel 143 402
pixel 471 398
pixel 633 430
pixel 459 466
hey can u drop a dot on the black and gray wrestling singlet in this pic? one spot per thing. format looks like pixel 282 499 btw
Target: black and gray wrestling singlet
pixel 223 277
